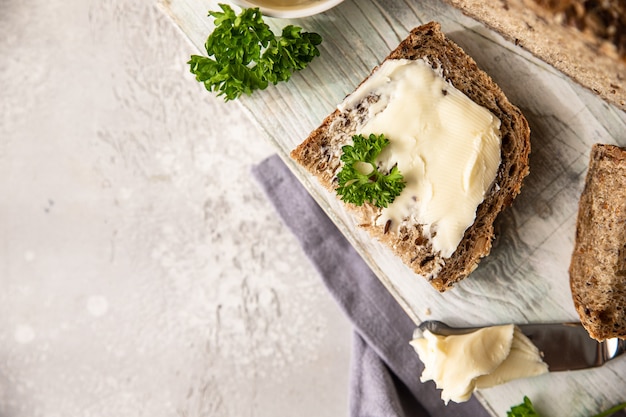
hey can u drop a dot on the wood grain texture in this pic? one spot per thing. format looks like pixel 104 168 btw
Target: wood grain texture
pixel 525 278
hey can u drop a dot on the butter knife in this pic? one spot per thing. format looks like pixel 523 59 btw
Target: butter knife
pixel 563 346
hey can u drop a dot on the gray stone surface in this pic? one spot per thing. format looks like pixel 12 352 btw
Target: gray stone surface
pixel 142 271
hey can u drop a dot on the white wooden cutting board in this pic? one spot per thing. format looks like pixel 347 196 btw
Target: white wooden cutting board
pixel 525 278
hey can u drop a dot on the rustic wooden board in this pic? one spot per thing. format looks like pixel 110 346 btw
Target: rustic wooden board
pixel 525 279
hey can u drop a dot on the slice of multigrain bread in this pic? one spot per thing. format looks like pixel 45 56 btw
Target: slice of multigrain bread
pixel 584 39
pixel 319 154
pixel 598 267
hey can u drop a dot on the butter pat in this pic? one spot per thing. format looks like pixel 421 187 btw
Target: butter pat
pixel 460 364
pixel 446 146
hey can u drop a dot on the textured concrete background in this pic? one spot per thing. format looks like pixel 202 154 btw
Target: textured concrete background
pixel 142 271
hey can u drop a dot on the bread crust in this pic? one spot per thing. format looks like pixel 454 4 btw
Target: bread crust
pixel 586 59
pixel 315 154
pixel 598 266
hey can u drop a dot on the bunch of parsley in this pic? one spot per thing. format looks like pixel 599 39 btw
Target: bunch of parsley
pixel 360 180
pixel 244 54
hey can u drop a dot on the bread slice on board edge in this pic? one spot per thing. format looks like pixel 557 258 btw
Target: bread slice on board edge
pixel 428 41
pixel 598 266
pixel 588 61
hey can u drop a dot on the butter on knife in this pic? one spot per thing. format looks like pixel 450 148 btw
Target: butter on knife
pixel 459 364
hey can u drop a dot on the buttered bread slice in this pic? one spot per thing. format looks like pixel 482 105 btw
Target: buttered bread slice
pixel 461 147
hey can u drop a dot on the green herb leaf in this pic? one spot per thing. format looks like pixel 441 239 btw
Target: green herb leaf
pixel 612 410
pixel 360 180
pixel 244 54
pixel 524 409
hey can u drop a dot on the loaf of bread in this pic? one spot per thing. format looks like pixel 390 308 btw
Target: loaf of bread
pixel 598 266
pixel 584 39
pixel 319 155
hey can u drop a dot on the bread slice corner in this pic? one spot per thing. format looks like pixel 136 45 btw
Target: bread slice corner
pixel 318 155
pixel 598 266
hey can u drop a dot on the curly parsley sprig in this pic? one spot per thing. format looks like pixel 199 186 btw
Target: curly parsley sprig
pixel 360 180
pixel 244 54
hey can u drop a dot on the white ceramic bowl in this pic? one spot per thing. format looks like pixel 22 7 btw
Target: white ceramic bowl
pixel 289 8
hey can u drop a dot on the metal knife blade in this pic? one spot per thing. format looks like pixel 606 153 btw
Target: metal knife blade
pixel 568 346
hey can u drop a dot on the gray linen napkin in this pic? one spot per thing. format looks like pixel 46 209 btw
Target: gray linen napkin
pixel 385 369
